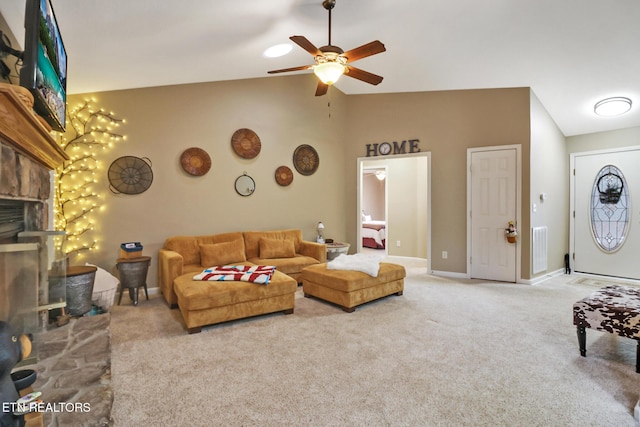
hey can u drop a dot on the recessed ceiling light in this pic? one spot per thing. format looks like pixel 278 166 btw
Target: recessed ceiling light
pixel 278 50
pixel 614 106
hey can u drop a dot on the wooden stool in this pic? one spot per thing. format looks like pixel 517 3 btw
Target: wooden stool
pixel 614 309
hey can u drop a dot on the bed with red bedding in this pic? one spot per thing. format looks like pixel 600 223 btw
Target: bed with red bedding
pixel 374 234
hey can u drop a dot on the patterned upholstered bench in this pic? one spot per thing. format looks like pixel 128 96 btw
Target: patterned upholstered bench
pixel 614 309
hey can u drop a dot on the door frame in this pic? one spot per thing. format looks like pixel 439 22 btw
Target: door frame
pixel 518 148
pixel 360 168
pixel 572 192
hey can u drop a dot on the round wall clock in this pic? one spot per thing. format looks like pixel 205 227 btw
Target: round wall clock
pixel 385 148
pixel 306 160
pixel 130 175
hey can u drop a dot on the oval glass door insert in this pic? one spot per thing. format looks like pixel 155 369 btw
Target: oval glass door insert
pixel 609 209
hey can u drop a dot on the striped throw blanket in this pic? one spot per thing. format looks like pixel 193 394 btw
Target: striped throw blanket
pixel 260 274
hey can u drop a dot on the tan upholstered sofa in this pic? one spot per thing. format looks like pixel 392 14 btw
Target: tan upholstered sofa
pixel 204 303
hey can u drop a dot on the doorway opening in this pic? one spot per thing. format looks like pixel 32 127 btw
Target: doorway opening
pixel 394 206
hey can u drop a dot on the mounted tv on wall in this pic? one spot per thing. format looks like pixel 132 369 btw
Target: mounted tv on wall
pixel 44 69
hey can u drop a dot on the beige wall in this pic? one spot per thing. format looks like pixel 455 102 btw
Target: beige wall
pixel 549 175
pixel 446 123
pixel 162 122
pixel 604 140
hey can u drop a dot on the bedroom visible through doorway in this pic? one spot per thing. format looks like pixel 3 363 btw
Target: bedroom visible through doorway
pixel 393 206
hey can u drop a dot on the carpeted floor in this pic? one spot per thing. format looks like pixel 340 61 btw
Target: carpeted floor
pixel 447 352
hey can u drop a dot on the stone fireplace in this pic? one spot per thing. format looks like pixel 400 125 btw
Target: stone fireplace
pixel 28 154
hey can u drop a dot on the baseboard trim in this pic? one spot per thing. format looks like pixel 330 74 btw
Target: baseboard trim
pixel 539 279
pixel 451 274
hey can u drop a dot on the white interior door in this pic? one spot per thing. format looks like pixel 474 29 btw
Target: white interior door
pixel 608 218
pixel 493 202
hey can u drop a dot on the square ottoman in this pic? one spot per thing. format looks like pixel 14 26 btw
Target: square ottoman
pixel 614 309
pixel 349 289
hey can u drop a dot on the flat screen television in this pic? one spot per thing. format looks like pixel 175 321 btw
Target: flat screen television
pixel 44 69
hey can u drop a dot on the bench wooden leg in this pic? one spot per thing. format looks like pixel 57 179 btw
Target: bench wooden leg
pixel 582 341
pixel 349 309
pixel 288 311
pixel 195 330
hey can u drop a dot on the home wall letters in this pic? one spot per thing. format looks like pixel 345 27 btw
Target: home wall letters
pixel 386 148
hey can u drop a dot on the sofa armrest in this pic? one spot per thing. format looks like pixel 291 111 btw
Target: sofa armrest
pixel 170 266
pixel 314 250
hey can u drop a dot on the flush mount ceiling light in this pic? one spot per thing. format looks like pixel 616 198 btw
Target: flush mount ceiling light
pixel 614 106
pixel 278 50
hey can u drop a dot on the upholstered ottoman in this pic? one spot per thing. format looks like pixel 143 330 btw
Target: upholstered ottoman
pixel 205 303
pixel 349 289
pixel 614 309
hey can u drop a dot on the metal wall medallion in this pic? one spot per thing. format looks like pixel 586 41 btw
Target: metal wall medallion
pixel 130 175
pixel 306 159
pixel 609 209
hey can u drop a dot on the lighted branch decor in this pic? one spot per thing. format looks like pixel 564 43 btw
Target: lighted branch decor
pixel 90 131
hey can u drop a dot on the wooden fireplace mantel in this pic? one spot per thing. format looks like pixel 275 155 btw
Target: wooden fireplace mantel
pixel 22 129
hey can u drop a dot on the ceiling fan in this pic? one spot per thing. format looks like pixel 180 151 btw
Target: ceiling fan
pixel 331 61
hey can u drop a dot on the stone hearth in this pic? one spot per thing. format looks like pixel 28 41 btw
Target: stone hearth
pixel 74 366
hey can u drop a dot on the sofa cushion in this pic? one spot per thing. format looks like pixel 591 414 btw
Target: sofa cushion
pixel 187 246
pixel 222 253
pixel 252 240
pixel 276 248
pixel 286 265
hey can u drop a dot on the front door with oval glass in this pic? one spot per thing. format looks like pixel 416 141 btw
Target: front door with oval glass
pixel 606 187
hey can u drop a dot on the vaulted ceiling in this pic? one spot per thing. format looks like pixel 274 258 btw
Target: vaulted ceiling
pixel 572 53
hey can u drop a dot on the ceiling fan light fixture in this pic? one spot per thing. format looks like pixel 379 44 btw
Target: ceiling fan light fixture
pixel 329 72
pixel 613 106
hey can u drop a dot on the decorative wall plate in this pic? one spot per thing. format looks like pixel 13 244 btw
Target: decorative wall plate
pixel 195 161
pixel 130 175
pixel 306 160
pixel 246 143
pixel 284 176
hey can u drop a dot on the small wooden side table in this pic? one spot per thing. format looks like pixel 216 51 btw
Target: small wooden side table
pixel 335 249
pixel 133 275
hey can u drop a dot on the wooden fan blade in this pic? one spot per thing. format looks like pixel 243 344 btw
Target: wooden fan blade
pixel 321 89
pixel 306 45
pixel 286 70
pixel 364 51
pixel 365 76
